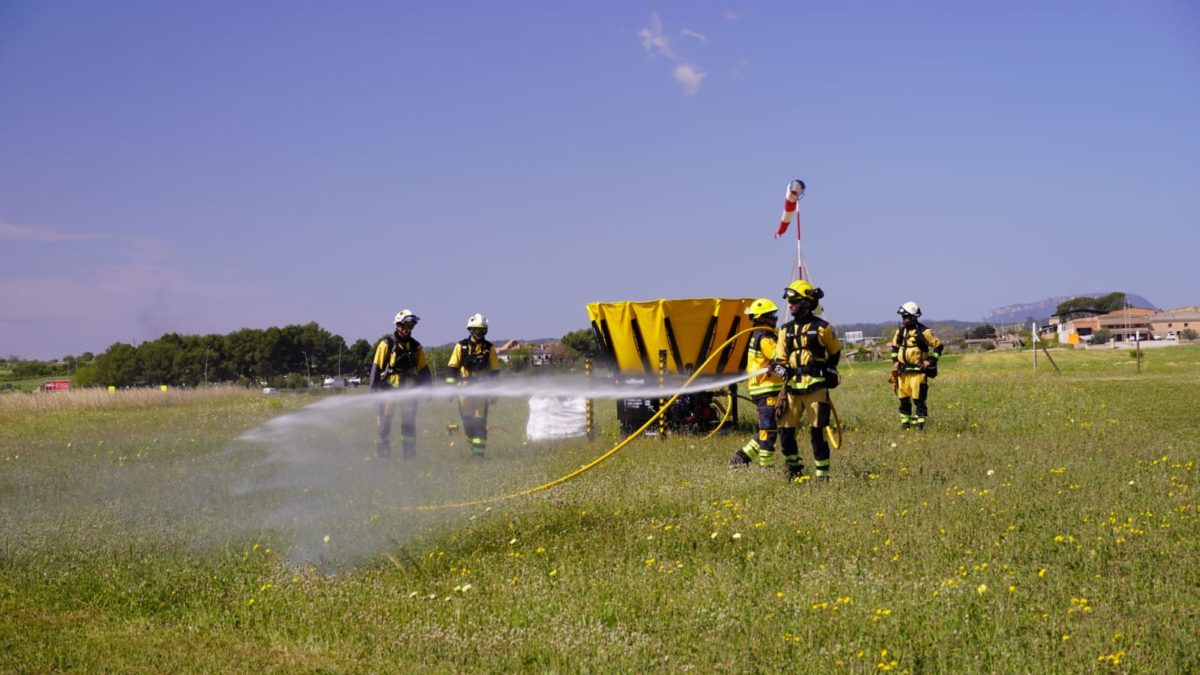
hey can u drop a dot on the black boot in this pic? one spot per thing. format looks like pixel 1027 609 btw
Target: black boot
pixel 383 448
pixel 739 459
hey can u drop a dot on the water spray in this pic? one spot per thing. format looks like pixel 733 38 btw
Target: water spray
pixel 612 451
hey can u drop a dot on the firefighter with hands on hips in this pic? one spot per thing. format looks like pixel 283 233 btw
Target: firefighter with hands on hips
pixel 472 359
pixel 807 358
pixel 915 354
pixel 399 363
pixel 764 385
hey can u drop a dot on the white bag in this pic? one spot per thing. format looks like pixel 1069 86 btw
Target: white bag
pixel 553 417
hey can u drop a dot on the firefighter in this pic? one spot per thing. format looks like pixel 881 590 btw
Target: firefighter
pixel 764 385
pixel 472 359
pixel 807 358
pixel 399 363
pixel 915 354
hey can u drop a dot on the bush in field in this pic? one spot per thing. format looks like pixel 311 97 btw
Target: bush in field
pixel 1187 334
pixel 1101 336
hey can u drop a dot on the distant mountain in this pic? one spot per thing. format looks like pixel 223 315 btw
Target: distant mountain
pixel 1041 310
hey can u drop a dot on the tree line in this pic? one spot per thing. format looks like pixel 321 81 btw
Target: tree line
pixel 286 356
pixel 1103 304
pixel 289 357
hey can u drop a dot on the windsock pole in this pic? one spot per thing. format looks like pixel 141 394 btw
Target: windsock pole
pixel 795 190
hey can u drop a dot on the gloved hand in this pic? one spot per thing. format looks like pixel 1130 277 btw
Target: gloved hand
pixel 782 370
pixel 831 377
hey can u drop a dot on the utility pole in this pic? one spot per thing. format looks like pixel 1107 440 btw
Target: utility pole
pixel 1033 343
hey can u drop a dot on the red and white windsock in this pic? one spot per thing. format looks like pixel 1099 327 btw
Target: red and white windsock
pixel 794 191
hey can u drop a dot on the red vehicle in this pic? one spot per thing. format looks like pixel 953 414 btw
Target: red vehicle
pixel 56 385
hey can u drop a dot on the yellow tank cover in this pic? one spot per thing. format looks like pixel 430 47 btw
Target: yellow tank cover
pixel 633 333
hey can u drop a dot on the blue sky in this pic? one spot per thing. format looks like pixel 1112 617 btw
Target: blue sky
pixel 203 167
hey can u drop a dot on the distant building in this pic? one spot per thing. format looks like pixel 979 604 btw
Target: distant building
pixel 1125 324
pixel 1167 325
pixel 1131 323
pixel 1076 325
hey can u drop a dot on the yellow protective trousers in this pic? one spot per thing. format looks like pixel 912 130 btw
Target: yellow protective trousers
pixel 474 413
pixel 913 389
pixel 762 446
pixel 408 427
pixel 816 407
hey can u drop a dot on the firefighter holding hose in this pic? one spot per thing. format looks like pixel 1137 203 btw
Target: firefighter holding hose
pixel 764 385
pixel 399 363
pixel 807 359
pixel 915 354
pixel 472 359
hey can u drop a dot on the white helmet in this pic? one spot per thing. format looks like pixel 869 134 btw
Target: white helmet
pixel 407 317
pixel 909 307
pixel 477 321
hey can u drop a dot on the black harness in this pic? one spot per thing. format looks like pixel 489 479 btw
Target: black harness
pixel 806 336
pixel 474 361
pixel 400 359
pixel 918 337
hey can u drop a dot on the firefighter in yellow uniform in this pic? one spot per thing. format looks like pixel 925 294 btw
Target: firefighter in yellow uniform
pixel 764 385
pixel 807 359
pixel 915 354
pixel 399 363
pixel 472 359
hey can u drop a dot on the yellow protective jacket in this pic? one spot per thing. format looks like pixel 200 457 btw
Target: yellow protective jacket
pixel 760 354
pixel 399 363
pixel 472 359
pixel 911 346
pixel 808 347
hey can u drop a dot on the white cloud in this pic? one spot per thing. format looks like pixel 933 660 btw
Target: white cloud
pixel 131 289
pixel 689 77
pixel 731 15
pixel 46 234
pixel 653 39
pixel 73 310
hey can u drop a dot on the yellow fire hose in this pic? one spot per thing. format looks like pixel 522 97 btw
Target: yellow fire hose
pixel 614 450
pixel 725 416
pixel 834 432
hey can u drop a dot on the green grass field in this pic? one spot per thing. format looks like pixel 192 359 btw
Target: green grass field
pixel 1044 523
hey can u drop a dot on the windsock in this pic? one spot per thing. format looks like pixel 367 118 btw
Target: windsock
pixel 794 191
